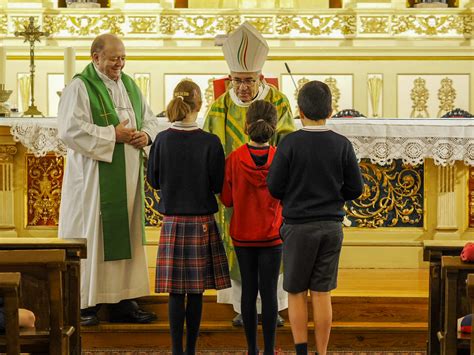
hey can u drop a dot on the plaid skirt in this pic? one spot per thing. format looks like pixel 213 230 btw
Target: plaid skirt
pixel 191 256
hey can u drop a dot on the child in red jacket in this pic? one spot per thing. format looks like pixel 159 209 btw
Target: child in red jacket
pixel 255 223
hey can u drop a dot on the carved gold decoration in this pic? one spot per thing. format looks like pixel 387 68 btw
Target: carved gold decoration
pixel 142 24
pixel 419 96
pixel 375 90
pixel 7 152
pixel 227 23
pixel 112 24
pixel 374 24
pixel 143 83
pixel 19 22
pixel 169 24
pixel 432 25
pixel 55 24
pixel 299 85
pixel 446 96
pixel 44 178
pixel 317 25
pixel 199 25
pixel 209 93
pixel 335 92
pixel 392 196
pixel 262 24
pixel 3 24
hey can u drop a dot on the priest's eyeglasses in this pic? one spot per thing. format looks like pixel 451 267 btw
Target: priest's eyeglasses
pixel 245 82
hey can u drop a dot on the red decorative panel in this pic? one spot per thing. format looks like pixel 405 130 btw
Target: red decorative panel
pixel 44 182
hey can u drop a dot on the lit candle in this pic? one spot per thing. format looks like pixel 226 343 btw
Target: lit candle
pixel 69 64
pixel 3 65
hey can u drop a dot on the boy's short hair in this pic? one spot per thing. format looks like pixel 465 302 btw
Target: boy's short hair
pixel 315 100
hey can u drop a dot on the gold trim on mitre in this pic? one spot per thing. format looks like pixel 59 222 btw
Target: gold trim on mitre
pixel 245 50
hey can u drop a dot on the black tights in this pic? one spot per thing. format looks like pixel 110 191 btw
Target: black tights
pixel 177 312
pixel 259 269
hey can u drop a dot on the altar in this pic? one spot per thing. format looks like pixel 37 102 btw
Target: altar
pixel 417 172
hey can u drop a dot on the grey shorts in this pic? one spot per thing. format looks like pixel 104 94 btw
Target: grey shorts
pixel 311 255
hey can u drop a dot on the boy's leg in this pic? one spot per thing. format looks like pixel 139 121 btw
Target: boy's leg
pixel 298 313
pixel 322 315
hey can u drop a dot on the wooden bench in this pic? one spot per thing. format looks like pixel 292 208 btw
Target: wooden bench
pixel 9 289
pixel 454 276
pixel 48 267
pixel 433 251
pixel 75 250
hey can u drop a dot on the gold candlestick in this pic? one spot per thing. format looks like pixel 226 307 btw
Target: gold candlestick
pixel 32 34
pixel 4 96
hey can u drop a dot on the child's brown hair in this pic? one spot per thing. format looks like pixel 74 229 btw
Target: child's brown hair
pixel 186 99
pixel 261 121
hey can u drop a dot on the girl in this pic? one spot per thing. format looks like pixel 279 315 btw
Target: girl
pixel 187 165
pixel 255 223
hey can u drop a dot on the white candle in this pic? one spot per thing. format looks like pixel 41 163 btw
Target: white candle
pixel 3 65
pixel 69 64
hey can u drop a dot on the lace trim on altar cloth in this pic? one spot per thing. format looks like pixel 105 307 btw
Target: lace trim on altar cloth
pixel 38 140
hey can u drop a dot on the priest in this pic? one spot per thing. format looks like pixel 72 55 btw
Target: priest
pixel 105 123
pixel 245 52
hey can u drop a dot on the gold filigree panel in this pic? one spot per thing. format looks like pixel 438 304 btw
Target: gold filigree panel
pixel 44 182
pixel 186 23
pixel 392 196
pixel 374 24
pixel 471 197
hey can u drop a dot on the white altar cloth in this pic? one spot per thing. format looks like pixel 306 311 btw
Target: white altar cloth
pixel 380 140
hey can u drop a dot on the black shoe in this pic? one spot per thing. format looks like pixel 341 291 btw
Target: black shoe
pixel 238 321
pixel 136 316
pixel 280 321
pixel 89 316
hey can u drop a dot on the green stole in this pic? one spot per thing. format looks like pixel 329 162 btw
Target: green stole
pixel 112 176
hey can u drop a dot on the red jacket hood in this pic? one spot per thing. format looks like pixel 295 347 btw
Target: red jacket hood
pixel 255 175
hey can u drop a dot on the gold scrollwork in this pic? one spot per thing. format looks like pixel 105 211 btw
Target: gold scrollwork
pixel 209 93
pixel 199 25
pixel 6 153
pixel 21 22
pixel 3 24
pixel 432 25
pixel 54 24
pixel 335 92
pixel 169 24
pixel 84 25
pixel 227 24
pixel 419 96
pixel 112 24
pixel 317 25
pixel 446 96
pixel 142 24
pixel 44 189
pixel 391 196
pixel 262 24
pixel 374 24
pixel 152 216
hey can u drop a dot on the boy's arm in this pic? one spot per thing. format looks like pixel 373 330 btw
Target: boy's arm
pixel 353 182
pixel 278 175
pixel 226 194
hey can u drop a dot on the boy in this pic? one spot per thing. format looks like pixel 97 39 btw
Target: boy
pixel 314 172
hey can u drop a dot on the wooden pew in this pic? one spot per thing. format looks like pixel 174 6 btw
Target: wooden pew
pixel 454 273
pixel 75 250
pixel 433 251
pixel 9 289
pixel 470 294
pixel 47 265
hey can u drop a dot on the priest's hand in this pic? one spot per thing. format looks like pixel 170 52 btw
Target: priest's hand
pixel 122 133
pixel 140 140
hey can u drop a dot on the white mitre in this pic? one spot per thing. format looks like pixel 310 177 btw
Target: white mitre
pixel 245 50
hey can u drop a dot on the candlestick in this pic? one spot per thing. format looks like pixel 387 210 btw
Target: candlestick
pixel 69 64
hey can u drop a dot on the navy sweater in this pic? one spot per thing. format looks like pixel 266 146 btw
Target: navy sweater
pixel 188 169
pixel 313 174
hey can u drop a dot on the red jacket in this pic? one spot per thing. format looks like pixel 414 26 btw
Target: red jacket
pixel 256 218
